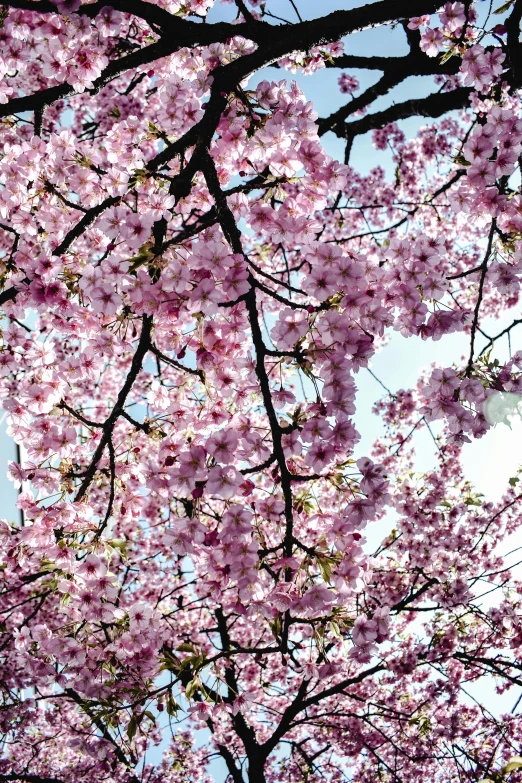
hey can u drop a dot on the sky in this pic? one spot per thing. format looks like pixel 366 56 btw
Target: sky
pixel 488 462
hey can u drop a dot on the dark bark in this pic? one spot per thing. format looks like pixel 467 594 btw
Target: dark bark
pixel 432 106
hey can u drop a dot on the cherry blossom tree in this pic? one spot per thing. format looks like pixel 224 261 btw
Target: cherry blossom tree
pixel 191 287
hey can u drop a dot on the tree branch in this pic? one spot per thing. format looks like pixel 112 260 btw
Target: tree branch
pixel 137 361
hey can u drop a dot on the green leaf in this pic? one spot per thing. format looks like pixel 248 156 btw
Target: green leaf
pixel 335 629
pixel 171 662
pixel 192 687
pixel 192 661
pixel 472 501
pixel 186 647
pixel 276 626
pixel 447 56
pixel 132 727
pixel 461 160
pixel 119 544
pixel 513 480
pixel 172 706
pixel 325 567
pixel 513 763
pixel 504 7
pixel 424 725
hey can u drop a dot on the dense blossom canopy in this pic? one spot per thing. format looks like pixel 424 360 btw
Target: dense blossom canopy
pixel 191 287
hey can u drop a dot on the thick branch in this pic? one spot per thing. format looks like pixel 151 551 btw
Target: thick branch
pixel 514 46
pixel 433 106
pixel 173 363
pixel 48 96
pixel 27 778
pixel 300 703
pixel 484 269
pixel 137 361
pixel 396 69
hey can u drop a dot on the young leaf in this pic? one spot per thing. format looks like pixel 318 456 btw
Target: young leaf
pixel 132 727
pixel 513 763
pixel 502 8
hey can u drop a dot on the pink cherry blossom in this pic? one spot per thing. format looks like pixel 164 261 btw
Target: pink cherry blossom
pixel 210 305
pixel 431 41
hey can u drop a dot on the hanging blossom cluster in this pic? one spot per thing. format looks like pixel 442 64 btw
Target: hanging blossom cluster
pixel 491 156
pixel 191 289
